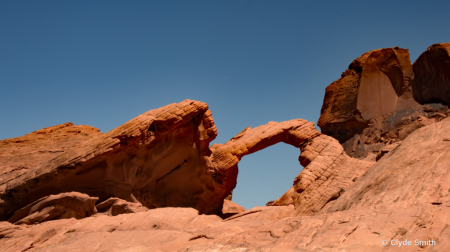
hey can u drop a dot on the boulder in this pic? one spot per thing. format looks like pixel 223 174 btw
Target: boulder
pixel 116 206
pixel 432 75
pixel 53 207
pixel 230 208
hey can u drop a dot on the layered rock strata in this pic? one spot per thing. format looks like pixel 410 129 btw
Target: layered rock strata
pixel 21 154
pixel 62 206
pixel 328 170
pixel 404 196
pixel 160 159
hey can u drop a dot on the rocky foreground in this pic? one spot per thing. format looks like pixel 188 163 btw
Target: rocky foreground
pixel 376 179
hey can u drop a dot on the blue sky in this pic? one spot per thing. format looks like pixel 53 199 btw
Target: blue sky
pixel 101 63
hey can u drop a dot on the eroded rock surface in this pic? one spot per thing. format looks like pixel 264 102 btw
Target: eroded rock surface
pixel 416 171
pixel 160 159
pixel 372 105
pixel 328 170
pixel 404 196
pixel 116 206
pixel 53 207
pixel 20 154
pixel 225 157
pixel 230 208
pixel 327 174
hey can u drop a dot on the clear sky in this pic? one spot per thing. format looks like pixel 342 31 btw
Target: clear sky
pixel 101 63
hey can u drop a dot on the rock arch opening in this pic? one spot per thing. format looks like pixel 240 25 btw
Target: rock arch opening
pixel 261 180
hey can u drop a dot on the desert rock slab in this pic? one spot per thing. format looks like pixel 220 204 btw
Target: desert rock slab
pixel 24 153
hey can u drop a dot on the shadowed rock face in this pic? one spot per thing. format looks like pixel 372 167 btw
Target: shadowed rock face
pixel 432 71
pixel 160 158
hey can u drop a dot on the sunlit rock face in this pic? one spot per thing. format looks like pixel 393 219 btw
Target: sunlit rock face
pixel 375 102
pixel 367 93
pixel 21 154
pixel 327 172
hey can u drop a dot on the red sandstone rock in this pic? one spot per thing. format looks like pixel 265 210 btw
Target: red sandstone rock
pixel 20 154
pixel 334 204
pixel 116 206
pixel 432 71
pixel 372 104
pixel 414 172
pixel 367 93
pixel 53 207
pixel 327 174
pixel 328 170
pixel 159 159
pixel 230 208
pixel 225 157
pixel 376 206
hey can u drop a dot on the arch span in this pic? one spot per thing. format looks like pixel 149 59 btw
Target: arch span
pixel 327 172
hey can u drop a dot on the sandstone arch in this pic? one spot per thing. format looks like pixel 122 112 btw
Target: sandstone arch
pixel 327 168
pixel 162 158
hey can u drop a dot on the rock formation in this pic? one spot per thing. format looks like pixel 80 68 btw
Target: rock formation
pixel 162 159
pixel 432 71
pixel 328 170
pixel 230 208
pixel 61 206
pixel 159 159
pixel 116 206
pixel 327 174
pixel 24 153
pixel 146 185
pixel 404 196
pixel 372 105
